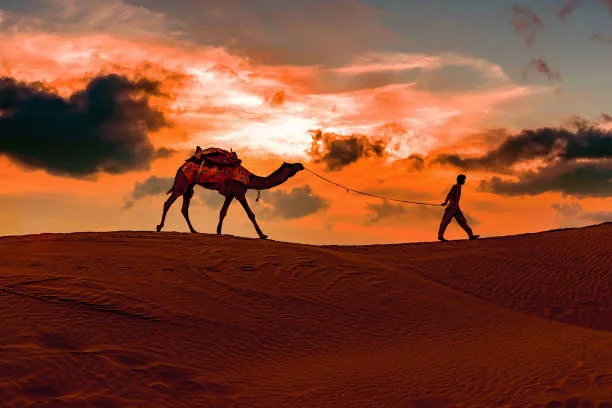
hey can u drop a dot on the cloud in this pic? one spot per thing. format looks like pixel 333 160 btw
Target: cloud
pixel 587 142
pixel 338 151
pixel 570 215
pixel 93 16
pixel 414 162
pixel 209 198
pixel 275 105
pixel 542 67
pixel 606 117
pixel 164 152
pixel 575 162
pixel 278 99
pixel 296 203
pixel 568 8
pixel 102 128
pixel 151 186
pixel 576 179
pixel 324 32
pixel 401 213
pixel 525 22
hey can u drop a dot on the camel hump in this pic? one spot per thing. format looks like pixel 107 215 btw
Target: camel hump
pixel 219 156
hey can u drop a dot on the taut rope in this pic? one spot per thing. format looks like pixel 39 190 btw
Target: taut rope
pixel 368 194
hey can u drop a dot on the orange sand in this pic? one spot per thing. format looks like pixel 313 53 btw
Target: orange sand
pixel 143 319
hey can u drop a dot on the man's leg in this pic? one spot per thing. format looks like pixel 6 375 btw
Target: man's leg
pixel 463 223
pixel 446 219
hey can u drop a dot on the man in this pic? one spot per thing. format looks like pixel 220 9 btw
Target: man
pixel 453 210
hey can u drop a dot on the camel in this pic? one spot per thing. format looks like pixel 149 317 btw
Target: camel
pixel 233 189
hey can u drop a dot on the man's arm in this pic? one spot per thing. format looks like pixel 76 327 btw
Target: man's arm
pixel 449 195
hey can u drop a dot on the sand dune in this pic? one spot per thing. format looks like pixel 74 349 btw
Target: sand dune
pixel 142 319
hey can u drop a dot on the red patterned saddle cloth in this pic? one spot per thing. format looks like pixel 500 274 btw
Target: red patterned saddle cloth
pixel 220 175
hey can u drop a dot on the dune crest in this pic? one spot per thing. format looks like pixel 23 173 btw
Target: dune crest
pixel 122 319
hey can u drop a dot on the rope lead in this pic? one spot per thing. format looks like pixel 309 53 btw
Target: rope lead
pixel 363 193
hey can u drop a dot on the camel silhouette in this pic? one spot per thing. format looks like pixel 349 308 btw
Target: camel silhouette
pixel 230 189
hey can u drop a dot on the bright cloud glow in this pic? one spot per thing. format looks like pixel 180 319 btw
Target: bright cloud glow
pixel 226 98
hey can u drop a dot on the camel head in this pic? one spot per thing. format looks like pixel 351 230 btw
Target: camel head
pixel 293 167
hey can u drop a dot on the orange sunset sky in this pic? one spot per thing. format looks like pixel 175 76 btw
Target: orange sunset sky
pixel 387 97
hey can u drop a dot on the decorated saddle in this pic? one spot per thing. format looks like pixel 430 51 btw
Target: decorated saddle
pixel 218 167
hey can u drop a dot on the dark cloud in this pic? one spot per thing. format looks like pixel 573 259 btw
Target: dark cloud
pixel 541 66
pixel 525 22
pixel 338 151
pixel 568 8
pixel 587 142
pixel 151 186
pixel 414 162
pixel 575 162
pixel 102 128
pixel 164 152
pixel 209 198
pixel 573 215
pixel 297 203
pixel 606 117
pixel 385 210
pixel 577 179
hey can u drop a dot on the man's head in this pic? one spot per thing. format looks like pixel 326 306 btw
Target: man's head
pixel 461 179
pixel 198 152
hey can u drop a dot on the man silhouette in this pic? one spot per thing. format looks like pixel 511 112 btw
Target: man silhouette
pixel 453 210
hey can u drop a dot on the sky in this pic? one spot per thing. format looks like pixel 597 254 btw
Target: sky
pixel 102 101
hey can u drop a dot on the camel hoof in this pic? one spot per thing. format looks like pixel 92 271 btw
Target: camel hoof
pixel 159 227
pixel 194 231
pixel 263 236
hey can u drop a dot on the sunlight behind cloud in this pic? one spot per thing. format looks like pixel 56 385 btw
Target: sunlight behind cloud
pixel 231 99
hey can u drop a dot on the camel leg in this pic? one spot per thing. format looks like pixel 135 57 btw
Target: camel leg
pixel 228 200
pixel 245 205
pixel 167 206
pixel 185 210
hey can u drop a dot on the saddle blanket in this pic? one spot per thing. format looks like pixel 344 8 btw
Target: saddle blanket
pixel 215 174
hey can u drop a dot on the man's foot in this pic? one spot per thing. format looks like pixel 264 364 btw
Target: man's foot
pixel 442 239
pixel 473 237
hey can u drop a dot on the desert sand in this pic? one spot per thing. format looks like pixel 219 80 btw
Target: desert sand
pixel 146 319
